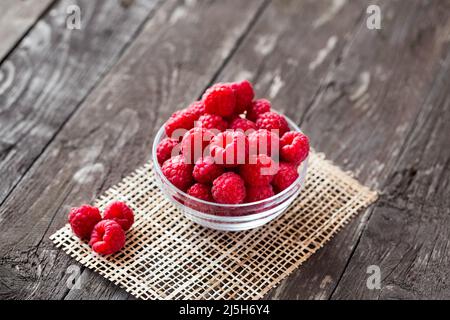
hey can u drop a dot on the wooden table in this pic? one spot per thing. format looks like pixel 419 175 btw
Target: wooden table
pixel 79 110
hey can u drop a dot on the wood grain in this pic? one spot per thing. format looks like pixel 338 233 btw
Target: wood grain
pixel 375 128
pixel 16 18
pixel 43 83
pixel 407 236
pixel 50 73
pixel 358 104
pixel 168 66
pixel 376 102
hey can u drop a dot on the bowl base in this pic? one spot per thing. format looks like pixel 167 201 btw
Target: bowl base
pixel 240 226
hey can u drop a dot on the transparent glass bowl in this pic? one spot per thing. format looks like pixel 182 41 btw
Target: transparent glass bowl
pixel 228 217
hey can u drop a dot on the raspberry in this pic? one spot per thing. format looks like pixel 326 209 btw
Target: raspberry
pixel 259 171
pixel 273 121
pixel 244 125
pixel 220 100
pixel 263 141
pixel 183 119
pixel 164 149
pixel 201 191
pixel 244 94
pixel 83 219
pixel 121 213
pixel 229 188
pixel 178 172
pixel 287 174
pixel 107 237
pixel 294 147
pixel 259 193
pixel 197 108
pixel 229 148
pixel 194 142
pixel 206 170
pixel 212 121
pixel 258 107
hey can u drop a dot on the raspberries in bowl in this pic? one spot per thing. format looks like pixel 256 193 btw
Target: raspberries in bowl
pixel 230 161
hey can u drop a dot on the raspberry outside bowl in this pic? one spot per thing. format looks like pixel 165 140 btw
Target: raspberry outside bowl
pixel 229 217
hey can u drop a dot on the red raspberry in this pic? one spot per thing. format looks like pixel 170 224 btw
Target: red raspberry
pixel 220 100
pixel 183 119
pixel 194 142
pixel 164 149
pixel 294 147
pixel 121 213
pixel 229 188
pixel 212 121
pixel 178 172
pixel 229 148
pixel 263 141
pixel 244 95
pixel 107 237
pixel 287 174
pixel 258 107
pixel 206 170
pixel 273 121
pixel 255 194
pixel 83 219
pixel 244 125
pixel 201 191
pixel 197 108
pixel 259 171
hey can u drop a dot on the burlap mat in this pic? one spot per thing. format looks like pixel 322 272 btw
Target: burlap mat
pixel 169 257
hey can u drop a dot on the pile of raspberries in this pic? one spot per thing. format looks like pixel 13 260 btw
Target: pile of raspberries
pixel 229 148
pixel 106 234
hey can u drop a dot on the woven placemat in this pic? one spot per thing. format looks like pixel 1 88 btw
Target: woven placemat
pixel 169 257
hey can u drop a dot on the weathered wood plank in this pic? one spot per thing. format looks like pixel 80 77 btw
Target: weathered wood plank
pixel 43 82
pixel 52 70
pixel 167 67
pixel 355 91
pixel 275 43
pixel 407 236
pixel 401 62
pixel 16 18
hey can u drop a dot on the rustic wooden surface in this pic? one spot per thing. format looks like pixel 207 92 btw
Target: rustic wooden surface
pixel 79 109
pixel 16 18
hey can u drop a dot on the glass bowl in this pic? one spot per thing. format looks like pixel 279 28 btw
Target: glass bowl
pixel 228 217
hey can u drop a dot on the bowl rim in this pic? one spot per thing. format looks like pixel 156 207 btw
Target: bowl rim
pixel 157 167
